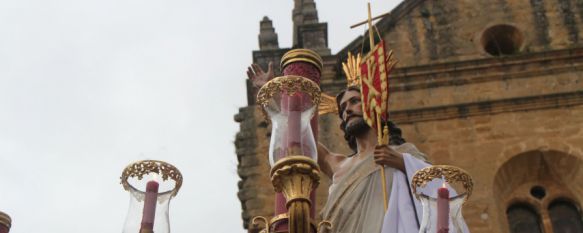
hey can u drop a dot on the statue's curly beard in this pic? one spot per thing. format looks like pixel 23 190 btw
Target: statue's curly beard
pixel 357 128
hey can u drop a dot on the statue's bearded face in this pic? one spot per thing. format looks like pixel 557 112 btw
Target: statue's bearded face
pixel 351 114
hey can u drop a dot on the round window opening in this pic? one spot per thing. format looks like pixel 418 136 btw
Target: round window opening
pixel 501 40
pixel 538 192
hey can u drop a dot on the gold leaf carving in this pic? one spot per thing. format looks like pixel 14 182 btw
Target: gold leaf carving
pixel 451 175
pixel 141 168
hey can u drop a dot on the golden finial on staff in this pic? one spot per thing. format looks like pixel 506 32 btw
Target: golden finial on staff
pixel 370 31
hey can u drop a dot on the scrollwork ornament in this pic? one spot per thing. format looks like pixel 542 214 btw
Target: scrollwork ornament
pixel 141 168
pixel 291 84
pixel 451 174
pixel 326 225
pixel 263 228
pixel 266 226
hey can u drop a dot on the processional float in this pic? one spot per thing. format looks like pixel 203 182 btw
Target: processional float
pixel 291 102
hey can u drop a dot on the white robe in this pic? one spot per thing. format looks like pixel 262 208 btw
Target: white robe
pixel 355 202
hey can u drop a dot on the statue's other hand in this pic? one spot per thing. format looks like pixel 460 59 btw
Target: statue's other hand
pixel 258 76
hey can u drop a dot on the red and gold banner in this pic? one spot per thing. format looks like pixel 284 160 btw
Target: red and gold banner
pixel 374 81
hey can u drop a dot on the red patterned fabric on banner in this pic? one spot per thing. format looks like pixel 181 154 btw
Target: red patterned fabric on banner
pixel 374 84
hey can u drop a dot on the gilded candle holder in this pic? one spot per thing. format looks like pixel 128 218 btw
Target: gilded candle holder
pixel 452 175
pixel 295 176
pixel 291 101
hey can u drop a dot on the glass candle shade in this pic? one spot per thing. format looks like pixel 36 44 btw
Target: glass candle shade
pixel 291 132
pixel 442 203
pixel 430 214
pixel 290 101
pixel 151 185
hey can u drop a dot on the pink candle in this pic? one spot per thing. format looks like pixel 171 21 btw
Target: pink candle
pixel 150 205
pixel 294 122
pixel 443 209
pixel 292 146
pixel 310 71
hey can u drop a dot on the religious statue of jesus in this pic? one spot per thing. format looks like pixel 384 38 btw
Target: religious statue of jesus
pixel 355 201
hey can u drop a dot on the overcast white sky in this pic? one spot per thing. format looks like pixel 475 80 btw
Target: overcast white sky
pixel 89 86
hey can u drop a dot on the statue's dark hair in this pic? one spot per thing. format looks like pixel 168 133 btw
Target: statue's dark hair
pixel 395 137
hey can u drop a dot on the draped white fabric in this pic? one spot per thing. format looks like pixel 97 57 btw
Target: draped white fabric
pixel 355 201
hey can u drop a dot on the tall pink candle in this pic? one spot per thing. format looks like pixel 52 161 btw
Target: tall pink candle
pixel 294 123
pixel 443 209
pixel 150 205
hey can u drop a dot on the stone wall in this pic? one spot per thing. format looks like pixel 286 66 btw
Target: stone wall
pixel 482 145
pixel 429 32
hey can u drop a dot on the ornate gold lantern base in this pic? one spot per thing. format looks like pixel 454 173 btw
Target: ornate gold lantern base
pixel 295 176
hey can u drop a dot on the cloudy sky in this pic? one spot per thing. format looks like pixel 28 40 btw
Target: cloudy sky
pixel 89 86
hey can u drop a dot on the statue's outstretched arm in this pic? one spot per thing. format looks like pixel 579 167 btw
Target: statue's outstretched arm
pixel 323 155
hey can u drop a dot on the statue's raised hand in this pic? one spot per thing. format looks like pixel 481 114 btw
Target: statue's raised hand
pixel 258 76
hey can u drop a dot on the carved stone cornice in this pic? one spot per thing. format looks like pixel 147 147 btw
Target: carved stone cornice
pixel 486 70
pixel 480 70
pixel 488 107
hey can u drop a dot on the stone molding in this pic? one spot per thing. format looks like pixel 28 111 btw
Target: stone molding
pixel 482 70
pixel 485 70
pixel 529 103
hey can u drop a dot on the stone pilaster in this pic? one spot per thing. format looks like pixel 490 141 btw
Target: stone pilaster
pixel 267 36
pixel 309 12
pixel 314 37
pixel 308 32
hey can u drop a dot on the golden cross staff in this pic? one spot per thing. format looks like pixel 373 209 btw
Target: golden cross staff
pixel 374 18
pixel 382 135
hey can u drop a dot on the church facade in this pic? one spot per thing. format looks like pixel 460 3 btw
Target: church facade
pixel 492 86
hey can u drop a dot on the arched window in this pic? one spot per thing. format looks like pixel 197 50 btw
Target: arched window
pixel 523 219
pixel 566 217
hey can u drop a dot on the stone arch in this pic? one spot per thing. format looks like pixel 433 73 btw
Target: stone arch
pixel 557 172
pixel 538 144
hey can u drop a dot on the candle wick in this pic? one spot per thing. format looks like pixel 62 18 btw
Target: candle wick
pixel 444 181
